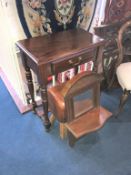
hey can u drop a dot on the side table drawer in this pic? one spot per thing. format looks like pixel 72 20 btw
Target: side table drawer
pixel 62 65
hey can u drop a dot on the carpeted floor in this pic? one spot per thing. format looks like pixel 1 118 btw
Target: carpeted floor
pixel 25 149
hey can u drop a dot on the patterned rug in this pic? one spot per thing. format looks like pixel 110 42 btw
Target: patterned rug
pixel 117 10
pixel 39 17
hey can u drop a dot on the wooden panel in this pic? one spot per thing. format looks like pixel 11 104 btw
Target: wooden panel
pixel 89 122
pixel 59 46
pixel 59 66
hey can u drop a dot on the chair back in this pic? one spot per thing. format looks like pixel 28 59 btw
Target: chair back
pixel 124 35
pixel 81 94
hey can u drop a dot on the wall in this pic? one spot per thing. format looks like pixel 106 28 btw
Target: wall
pixel 10 32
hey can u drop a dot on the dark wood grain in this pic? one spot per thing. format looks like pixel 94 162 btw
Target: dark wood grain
pixel 54 53
pixel 61 45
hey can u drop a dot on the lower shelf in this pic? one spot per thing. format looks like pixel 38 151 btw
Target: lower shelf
pixel 88 122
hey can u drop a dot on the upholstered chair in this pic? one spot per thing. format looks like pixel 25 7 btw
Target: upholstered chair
pixel 123 69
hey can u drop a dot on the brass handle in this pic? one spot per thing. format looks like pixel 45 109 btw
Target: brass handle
pixel 75 63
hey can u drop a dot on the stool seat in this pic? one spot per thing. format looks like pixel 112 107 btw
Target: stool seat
pixel 89 122
pixel 77 104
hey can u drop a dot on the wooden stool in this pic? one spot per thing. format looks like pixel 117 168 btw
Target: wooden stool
pixel 76 104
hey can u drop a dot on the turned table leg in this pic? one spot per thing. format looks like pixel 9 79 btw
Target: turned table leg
pixel 45 108
pixel 29 81
pixel 31 88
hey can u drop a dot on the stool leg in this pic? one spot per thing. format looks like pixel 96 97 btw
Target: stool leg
pixel 63 131
pixel 52 119
pixel 72 139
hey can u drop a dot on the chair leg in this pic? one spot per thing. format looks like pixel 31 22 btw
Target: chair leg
pixel 123 100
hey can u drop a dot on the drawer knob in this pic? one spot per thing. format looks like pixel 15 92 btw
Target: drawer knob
pixel 75 63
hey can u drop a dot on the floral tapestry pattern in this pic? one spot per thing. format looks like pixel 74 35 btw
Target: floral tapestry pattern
pixel 39 17
pixel 42 21
pixel 64 11
pixel 86 13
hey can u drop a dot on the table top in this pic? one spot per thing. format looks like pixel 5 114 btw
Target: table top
pixel 52 47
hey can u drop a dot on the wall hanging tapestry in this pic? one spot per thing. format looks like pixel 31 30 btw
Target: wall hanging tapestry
pixel 39 17
pixel 117 10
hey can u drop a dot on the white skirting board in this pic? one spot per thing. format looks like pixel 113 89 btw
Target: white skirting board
pixel 21 107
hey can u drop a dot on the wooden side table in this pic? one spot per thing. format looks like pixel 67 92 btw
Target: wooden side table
pixel 48 55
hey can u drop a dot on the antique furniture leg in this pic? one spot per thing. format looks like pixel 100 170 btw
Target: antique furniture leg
pixel 52 119
pixel 41 54
pixel 63 131
pixel 123 100
pixel 31 88
pixel 72 139
pixel 29 83
pixel 45 107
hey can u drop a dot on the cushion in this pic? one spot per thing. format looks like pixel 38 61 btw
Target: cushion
pixel 124 75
